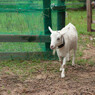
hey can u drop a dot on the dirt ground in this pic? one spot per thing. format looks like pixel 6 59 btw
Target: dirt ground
pixel 79 80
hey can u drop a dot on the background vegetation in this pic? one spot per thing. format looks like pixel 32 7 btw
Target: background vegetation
pixel 31 23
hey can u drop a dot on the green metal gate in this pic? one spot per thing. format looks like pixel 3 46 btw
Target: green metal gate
pixel 28 21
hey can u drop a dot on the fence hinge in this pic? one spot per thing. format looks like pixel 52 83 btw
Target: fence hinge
pixel 58 7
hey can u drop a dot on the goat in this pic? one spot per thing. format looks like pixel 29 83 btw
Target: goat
pixel 93 3
pixel 63 41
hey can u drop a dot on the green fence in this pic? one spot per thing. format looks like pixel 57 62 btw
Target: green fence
pixel 25 22
pixel 24 26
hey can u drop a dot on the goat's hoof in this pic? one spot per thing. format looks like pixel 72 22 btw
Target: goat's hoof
pixel 62 76
pixel 73 64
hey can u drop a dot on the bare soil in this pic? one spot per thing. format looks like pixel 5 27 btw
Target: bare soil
pixel 79 80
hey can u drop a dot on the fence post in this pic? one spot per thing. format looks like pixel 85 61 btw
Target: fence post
pixel 47 19
pixel 61 15
pixel 89 15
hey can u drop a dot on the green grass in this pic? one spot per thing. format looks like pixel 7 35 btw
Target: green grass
pixel 25 23
pixel 29 69
pixel 32 24
pixel 26 69
pixel 21 24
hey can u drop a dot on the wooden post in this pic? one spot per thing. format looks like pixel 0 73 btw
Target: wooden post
pixel 91 12
pixel 61 15
pixel 89 15
pixel 47 19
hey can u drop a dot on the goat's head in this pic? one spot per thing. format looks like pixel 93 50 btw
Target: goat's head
pixel 56 38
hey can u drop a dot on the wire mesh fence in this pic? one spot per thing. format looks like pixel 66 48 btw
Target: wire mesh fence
pixel 18 17
pixel 25 17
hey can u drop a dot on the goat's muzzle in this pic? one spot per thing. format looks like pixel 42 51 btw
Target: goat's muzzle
pixel 52 47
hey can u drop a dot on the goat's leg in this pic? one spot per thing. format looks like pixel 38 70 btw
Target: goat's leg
pixel 73 60
pixel 60 59
pixel 68 56
pixel 63 68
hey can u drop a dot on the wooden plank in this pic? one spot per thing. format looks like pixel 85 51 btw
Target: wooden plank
pixel 89 16
pixel 91 11
pixel 24 38
pixel 27 56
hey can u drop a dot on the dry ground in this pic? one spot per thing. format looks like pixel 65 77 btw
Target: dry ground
pixel 79 80
pixel 45 79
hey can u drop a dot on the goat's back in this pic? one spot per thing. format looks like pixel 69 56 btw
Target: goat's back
pixel 70 36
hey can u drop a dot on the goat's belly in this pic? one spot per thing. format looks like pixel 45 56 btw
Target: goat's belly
pixel 71 47
pixel 73 44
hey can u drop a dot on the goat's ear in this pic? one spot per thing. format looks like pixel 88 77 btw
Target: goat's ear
pixel 65 30
pixel 50 29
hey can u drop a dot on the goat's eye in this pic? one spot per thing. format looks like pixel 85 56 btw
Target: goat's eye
pixel 58 38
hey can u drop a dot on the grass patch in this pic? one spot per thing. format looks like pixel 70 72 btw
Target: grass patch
pixel 27 69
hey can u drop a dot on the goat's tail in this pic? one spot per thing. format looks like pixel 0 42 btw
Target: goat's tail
pixel 71 25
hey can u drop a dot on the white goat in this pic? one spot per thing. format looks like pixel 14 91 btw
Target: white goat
pixel 63 41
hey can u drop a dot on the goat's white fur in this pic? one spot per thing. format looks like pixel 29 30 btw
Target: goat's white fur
pixel 70 35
